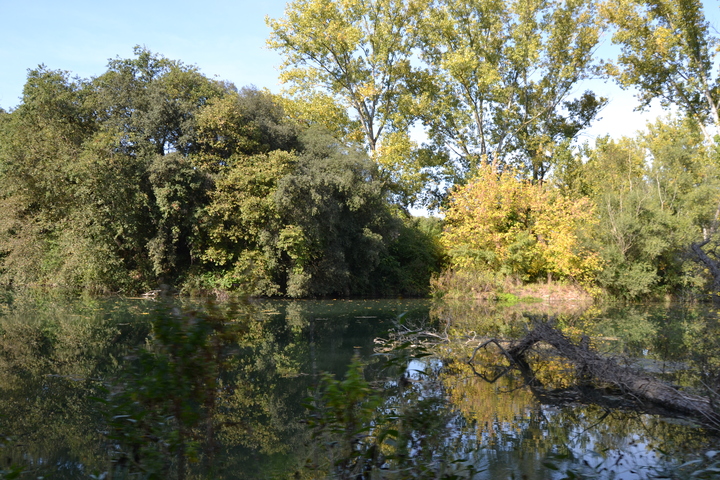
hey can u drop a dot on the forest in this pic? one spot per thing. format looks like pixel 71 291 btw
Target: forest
pixel 152 173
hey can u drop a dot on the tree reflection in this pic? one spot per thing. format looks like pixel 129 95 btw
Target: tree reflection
pixel 200 390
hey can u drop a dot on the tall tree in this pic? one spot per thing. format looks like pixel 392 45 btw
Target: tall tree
pixel 151 102
pixel 337 219
pixel 504 74
pixel 358 52
pixel 668 53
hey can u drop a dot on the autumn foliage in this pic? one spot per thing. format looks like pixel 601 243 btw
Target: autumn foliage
pixel 501 223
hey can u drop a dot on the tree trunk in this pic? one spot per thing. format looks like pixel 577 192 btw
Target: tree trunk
pixel 606 370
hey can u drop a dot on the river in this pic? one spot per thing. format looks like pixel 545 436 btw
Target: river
pixel 168 388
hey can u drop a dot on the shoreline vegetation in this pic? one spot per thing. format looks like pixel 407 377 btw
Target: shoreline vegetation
pixel 152 173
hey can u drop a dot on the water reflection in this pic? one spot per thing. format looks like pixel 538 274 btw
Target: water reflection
pixel 195 390
pixel 522 431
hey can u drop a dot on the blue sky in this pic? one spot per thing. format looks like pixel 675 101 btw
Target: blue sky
pixel 222 38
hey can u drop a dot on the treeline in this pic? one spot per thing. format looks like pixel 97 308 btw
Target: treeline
pixel 152 173
pixel 631 218
pixel 497 88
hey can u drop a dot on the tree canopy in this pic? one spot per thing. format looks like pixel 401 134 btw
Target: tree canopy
pixel 153 173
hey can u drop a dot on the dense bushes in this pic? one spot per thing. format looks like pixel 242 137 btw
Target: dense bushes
pixel 152 173
pixel 636 217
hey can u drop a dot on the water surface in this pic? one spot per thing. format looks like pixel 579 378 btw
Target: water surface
pixel 66 362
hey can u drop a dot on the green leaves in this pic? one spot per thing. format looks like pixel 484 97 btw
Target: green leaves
pixel 668 53
pixel 358 53
pixel 502 75
pixel 655 195
pixel 488 80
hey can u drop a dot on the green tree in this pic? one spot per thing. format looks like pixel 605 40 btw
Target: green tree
pixel 243 123
pixel 338 220
pixel 242 224
pixel 655 195
pixel 40 148
pixel 668 53
pixel 358 53
pixel 148 108
pixel 150 103
pixel 91 198
pixel 632 238
pixel 686 177
pixel 503 75
pixel 412 258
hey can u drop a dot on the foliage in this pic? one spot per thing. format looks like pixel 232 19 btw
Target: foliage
pixel 242 222
pixel 337 207
pixel 309 224
pixel 149 103
pixel 501 76
pixel 502 224
pixel 412 258
pixel 93 201
pixel 655 196
pixel 245 123
pixel 668 53
pixel 360 54
pixel 39 155
pixel 494 80
pixel 153 174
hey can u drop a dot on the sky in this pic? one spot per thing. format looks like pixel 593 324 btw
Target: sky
pixel 225 39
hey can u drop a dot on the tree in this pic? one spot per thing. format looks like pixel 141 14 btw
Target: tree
pixel 337 218
pixel 241 224
pixel 502 78
pixel 244 123
pixel 359 53
pixel 40 167
pixel 502 224
pixel 97 190
pixel 632 235
pixel 668 53
pixel 150 102
pixel 655 195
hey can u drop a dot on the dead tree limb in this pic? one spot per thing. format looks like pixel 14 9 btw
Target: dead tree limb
pixel 606 370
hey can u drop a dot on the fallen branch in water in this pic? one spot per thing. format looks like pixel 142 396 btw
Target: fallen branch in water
pixel 605 370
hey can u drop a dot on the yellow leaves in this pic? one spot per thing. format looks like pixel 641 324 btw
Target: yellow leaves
pixel 500 222
pixel 395 151
pixel 358 51
pixel 318 108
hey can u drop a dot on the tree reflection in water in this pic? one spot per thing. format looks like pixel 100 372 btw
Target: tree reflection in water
pixel 183 390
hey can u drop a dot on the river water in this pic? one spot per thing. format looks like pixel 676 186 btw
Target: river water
pixel 94 388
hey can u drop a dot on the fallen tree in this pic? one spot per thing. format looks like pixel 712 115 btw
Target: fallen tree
pixel 602 370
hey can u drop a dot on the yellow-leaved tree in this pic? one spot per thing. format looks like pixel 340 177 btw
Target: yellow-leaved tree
pixel 500 223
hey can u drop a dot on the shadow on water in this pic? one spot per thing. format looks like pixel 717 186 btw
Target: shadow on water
pixel 123 388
